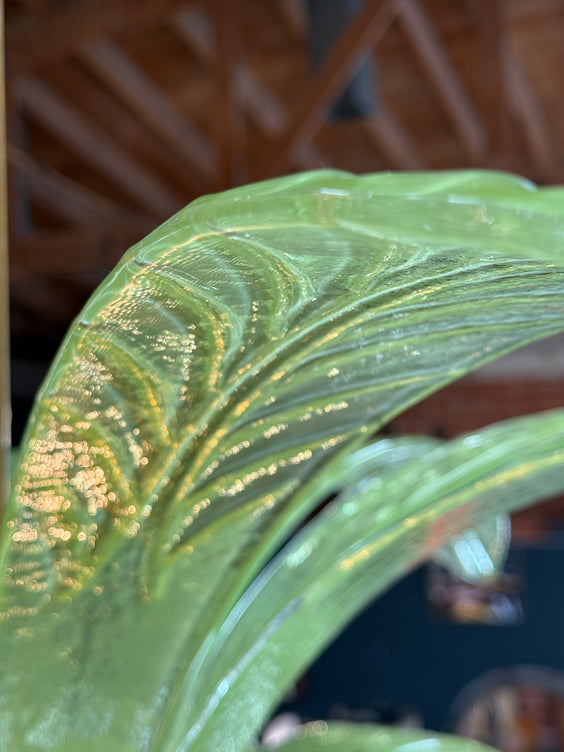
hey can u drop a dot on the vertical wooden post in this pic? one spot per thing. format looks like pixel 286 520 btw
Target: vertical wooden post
pixel 5 410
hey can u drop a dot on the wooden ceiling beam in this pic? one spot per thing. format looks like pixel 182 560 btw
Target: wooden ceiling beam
pixel 192 27
pixel 506 88
pixel 62 252
pixel 394 143
pixel 524 103
pixel 444 79
pixel 270 116
pixel 292 13
pixel 492 72
pixel 526 10
pixel 70 200
pixel 43 38
pixel 361 36
pixel 264 108
pixel 128 131
pixel 115 68
pixel 94 147
pixel 230 123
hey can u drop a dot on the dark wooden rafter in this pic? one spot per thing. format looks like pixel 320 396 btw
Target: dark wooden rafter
pixel 531 9
pixel 54 113
pixel 49 36
pixel 230 122
pixel 362 35
pixel 57 252
pixel 193 29
pixel 489 16
pixel 292 13
pixel 506 88
pixel 70 200
pixel 125 128
pixel 524 103
pixel 126 79
pixel 444 79
pixel 270 116
pixel 393 141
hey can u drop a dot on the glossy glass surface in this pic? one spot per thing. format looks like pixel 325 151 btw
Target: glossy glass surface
pixel 211 394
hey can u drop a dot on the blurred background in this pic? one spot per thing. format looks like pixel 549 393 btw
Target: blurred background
pixel 120 112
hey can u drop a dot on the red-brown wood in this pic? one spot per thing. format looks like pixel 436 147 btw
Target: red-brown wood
pixel 442 74
pixel 357 41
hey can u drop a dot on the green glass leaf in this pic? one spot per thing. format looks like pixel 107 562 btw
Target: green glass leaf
pixel 347 737
pixel 374 533
pixel 479 553
pixel 203 402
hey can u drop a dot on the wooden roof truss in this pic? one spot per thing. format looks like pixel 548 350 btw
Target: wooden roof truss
pixel 122 111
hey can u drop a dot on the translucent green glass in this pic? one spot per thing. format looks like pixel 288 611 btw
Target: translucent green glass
pixel 223 381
